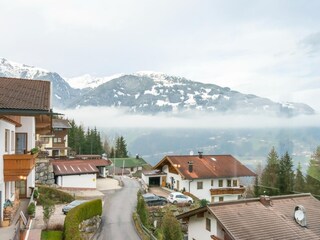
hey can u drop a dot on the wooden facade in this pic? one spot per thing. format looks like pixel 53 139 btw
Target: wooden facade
pixel 220 191
pixel 17 166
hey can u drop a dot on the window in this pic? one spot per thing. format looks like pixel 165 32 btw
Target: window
pixel 12 140
pixel 235 183
pixel 45 140
pixel 211 182
pixel 57 140
pixel 199 185
pixel 7 140
pixel 220 183
pixel 220 199
pixel 229 183
pixel 208 224
pixel 21 143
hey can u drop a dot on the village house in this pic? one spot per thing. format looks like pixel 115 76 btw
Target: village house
pixel 127 165
pixel 56 144
pixel 211 177
pixel 79 173
pixel 25 110
pixel 280 217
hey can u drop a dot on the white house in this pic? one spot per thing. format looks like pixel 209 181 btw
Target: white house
pixel 79 173
pixel 280 217
pixel 24 110
pixel 211 177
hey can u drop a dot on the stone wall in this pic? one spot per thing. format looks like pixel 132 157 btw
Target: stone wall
pixel 44 172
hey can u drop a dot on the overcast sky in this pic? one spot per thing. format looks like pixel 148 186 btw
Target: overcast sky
pixel 268 48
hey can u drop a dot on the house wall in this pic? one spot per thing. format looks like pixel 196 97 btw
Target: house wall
pixel 11 127
pixel 78 181
pixel 197 227
pixel 29 127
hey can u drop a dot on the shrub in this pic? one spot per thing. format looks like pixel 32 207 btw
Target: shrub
pixel 54 194
pixel 204 202
pixel 35 193
pixel 31 209
pixel 76 215
pixel 142 210
pixel 170 227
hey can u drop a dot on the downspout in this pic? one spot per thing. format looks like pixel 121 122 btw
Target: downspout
pixel 189 184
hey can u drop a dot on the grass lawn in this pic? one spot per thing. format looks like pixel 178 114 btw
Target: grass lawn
pixel 51 235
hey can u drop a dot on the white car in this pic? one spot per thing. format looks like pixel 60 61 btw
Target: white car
pixel 178 197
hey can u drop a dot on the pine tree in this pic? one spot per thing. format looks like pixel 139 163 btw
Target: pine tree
pixel 299 180
pixel 286 174
pixel 121 148
pixel 313 173
pixel 269 177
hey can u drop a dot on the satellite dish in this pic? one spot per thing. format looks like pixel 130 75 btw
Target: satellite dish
pixel 191 153
pixel 300 215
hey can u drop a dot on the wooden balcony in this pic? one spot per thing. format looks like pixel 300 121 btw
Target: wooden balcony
pixel 221 191
pixel 17 166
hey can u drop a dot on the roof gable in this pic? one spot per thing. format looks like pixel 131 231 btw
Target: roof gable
pixel 206 166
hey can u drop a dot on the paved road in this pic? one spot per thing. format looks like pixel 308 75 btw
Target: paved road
pixel 119 204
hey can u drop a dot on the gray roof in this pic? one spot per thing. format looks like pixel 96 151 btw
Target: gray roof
pixel 60 123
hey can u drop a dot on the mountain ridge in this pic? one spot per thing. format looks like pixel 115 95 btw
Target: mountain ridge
pixel 151 92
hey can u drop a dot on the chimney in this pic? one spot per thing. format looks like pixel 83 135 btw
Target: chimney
pixel 265 200
pixel 190 164
pixel 200 154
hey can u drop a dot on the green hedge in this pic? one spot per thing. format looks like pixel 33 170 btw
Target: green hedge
pixel 76 215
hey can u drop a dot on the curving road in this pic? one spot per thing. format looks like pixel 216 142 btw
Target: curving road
pixel 117 223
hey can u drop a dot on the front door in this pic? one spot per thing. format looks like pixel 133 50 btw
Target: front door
pixel 164 181
pixel 22 187
pixel 178 185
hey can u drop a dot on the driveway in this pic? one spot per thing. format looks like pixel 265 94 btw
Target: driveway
pixel 119 204
pixel 57 218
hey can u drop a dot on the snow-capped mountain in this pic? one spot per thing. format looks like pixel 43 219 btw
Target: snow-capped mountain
pixel 88 81
pixel 150 92
pixel 62 92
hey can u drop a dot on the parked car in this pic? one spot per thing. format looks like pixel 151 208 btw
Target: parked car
pixel 154 200
pixel 71 205
pixel 178 197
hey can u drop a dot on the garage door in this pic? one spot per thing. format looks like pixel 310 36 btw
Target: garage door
pixel 154 181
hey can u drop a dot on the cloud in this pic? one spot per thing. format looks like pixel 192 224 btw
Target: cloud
pixel 106 117
pixel 311 43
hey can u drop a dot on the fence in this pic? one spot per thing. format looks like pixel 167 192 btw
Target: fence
pixel 145 230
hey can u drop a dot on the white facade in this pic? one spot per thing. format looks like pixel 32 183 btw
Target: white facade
pixel 7 146
pixel 76 181
pixel 198 229
pixel 175 181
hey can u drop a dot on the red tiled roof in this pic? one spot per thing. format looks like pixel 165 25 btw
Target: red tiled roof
pixel 250 219
pixel 72 167
pixel 23 94
pixel 207 166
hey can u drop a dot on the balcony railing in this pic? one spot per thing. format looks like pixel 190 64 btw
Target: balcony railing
pixel 230 190
pixel 17 166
